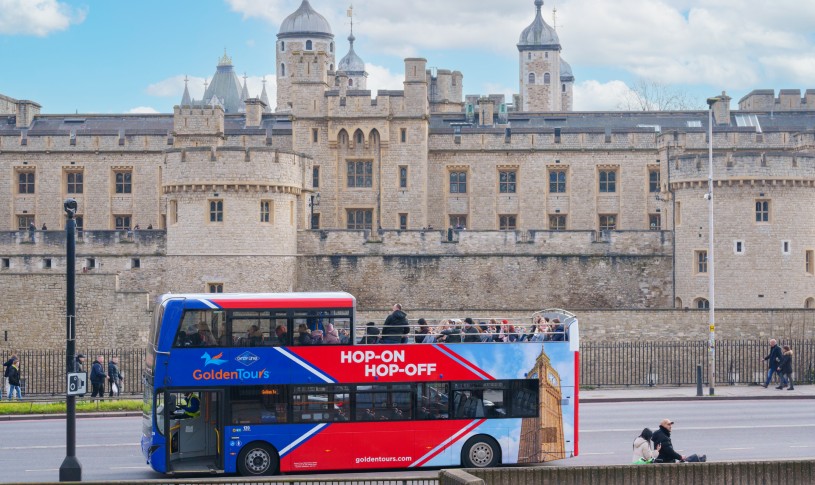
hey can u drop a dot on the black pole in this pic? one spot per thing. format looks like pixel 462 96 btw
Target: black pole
pixel 71 469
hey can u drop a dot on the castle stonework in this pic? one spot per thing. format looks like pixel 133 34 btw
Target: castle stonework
pixel 335 188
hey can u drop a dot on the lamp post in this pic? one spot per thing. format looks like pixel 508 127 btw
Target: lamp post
pixel 71 469
pixel 711 344
pixel 314 201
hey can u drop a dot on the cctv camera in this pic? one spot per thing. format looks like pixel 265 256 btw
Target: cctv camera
pixel 70 206
pixel 707 196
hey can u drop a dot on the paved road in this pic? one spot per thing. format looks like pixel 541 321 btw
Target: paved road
pixel 108 448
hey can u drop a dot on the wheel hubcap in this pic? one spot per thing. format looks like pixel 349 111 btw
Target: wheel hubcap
pixel 257 461
pixel 481 454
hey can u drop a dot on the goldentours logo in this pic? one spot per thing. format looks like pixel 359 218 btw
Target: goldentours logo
pixel 216 360
pixel 247 358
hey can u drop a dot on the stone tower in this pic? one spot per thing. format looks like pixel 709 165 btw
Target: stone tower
pixel 540 66
pixel 353 67
pixel 305 32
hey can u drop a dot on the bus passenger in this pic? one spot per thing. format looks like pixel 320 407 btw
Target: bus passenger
pixel 317 337
pixel 331 336
pixel 371 334
pixel 471 332
pixel 396 327
pixel 205 337
pixel 423 332
pixel 282 335
pixel 255 335
pixel 304 335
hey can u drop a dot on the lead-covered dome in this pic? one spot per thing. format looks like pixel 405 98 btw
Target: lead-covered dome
pixel 305 20
pixel 351 63
pixel 539 34
pixel 566 74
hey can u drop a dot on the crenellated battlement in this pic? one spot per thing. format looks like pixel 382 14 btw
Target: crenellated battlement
pixel 787 100
pixel 744 167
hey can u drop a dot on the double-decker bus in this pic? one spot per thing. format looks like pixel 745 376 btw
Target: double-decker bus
pixel 265 383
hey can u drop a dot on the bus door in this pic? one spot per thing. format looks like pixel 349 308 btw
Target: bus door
pixel 193 420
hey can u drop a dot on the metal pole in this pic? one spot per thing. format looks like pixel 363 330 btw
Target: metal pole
pixel 710 258
pixel 71 469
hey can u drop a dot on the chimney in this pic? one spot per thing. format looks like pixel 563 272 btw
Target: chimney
pixel 254 112
pixel 26 111
pixel 721 109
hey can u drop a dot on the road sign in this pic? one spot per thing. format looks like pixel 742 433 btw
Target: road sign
pixel 77 383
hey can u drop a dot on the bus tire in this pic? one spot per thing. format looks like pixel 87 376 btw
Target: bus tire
pixel 258 458
pixel 481 451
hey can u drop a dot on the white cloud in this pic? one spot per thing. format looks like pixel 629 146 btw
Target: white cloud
pixel 596 96
pixel 143 110
pixel 382 78
pixel 37 17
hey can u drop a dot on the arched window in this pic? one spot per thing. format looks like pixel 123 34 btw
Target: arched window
pixel 563 88
pixel 331 47
pixel 343 137
pixel 701 304
pixel 331 67
pixel 546 78
pixel 350 82
pixel 531 78
pixel 678 303
pixel 360 138
pixel 809 303
pixel 308 45
pixel 529 56
pixel 282 69
pixel 282 46
pixel 336 81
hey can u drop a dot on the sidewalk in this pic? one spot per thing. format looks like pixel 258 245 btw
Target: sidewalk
pixel 688 393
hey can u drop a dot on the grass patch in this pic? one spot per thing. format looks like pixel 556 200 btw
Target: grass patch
pixel 57 407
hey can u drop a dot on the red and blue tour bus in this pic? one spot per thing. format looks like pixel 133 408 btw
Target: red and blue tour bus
pixel 265 383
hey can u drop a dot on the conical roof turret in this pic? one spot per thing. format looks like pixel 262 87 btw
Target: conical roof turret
pixel 351 63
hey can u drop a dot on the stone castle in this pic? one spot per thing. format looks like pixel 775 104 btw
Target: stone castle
pixel 445 202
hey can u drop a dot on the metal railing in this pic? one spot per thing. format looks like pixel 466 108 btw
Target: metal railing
pixel 674 363
pixel 601 364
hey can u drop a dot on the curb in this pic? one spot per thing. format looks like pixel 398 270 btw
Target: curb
pixel 105 414
pixel 689 398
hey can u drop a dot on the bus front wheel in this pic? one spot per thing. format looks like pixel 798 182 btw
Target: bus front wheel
pixel 258 459
pixel 480 452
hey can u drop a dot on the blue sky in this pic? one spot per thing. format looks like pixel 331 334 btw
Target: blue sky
pixel 102 56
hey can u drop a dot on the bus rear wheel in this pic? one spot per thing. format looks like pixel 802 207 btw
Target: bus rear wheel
pixel 258 459
pixel 480 452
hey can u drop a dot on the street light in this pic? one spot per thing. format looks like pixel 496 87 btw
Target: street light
pixel 711 344
pixel 71 469
pixel 314 201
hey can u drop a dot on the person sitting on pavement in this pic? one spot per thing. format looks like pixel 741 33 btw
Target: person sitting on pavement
pixel 662 442
pixel 643 453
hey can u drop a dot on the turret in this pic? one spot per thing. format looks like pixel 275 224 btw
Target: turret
pixel 539 49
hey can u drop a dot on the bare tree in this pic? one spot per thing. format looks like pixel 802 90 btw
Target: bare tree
pixel 655 96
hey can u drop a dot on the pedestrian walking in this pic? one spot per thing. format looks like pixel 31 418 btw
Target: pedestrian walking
pixel 6 367
pixel 773 361
pixel 14 379
pixel 115 377
pixel 785 368
pixel 98 378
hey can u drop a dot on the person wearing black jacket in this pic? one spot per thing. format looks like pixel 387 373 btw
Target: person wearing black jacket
pixel 785 368
pixel 396 326
pixel 14 379
pixel 662 442
pixel 115 377
pixel 773 360
pixel 98 378
pixel 7 367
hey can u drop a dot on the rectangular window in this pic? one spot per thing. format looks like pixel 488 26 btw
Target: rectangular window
pixel 762 211
pixel 655 222
pixel 173 210
pixel 315 135
pixel 216 210
pixel 458 221
pixel 403 222
pixel 785 247
pixel 458 182
pixel 258 404
pixel 121 222
pixel 557 181
pixel 124 182
pixel 653 181
pixel 360 218
pixel 315 221
pixel 403 176
pixel 24 221
pixel 321 404
pixel 678 215
pixel 6 263
pixel 700 258
pixel 90 263
pixel 383 402
pixel 506 222
pixel 506 181
pixel 46 263
pixel 360 174
pixel 74 182
pixel 608 181
pixel 557 222
pixel 608 222
pixel 135 263
pixel 403 135
pixel 25 183
pixel 266 211
pixel 810 261
pixel 315 176
pixel 215 287
pixel 738 247
pixel 80 224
